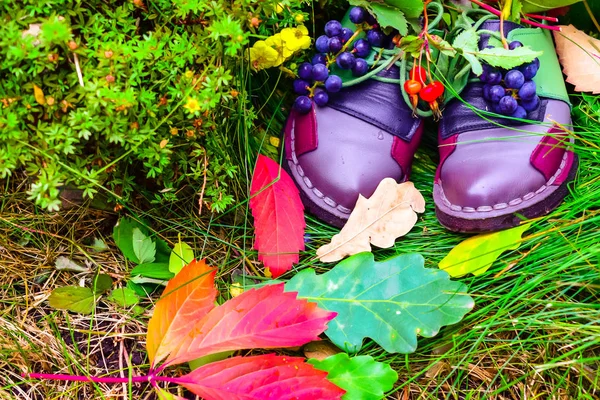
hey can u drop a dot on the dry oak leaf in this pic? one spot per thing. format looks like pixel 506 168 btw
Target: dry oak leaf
pixel 379 220
pixel 579 55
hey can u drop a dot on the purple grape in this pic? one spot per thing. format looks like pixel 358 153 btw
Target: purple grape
pixel 320 72
pixel 360 68
pixel 519 113
pixel 322 44
pixel 486 92
pixel 514 79
pixel 507 105
pixel 530 105
pixel 333 28
pixel 513 45
pixel 346 34
pixel 375 37
pixel 321 97
pixel 345 60
pixel 362 48
pixel 530 70
pixel 496 93
pixel 527 91
pixel 333 84
pixel 369 19
pixel 305 71
pixel 357 15
pixel 301 86
pixel 494 77
pixel 319 58
pixel 303 104
pixel 335 45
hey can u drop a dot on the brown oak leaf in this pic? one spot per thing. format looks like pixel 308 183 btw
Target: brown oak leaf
pixel 579 55
pixel 379 220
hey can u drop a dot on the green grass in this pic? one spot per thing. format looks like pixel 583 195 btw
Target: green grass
pixel 533 334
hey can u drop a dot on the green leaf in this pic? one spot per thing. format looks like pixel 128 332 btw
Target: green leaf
pixel 477 254
pixel 181 256
pixel 515 10
pixel 102 283
pixel 143 247
pixel 391 301
pixel 410 8
pixel 532 6
pixel 443 46
pixel 507 59
pixel 153 270
pixel 467 42
pixel 123 236
pixel 123 297
pixel 163 251
pixel 361 377
pixel 388 16
pixel 73 298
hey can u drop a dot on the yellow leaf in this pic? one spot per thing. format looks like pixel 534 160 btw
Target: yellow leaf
pixel 388 214
pixel 38 93
pixel 579 55
pixel 163 143
pixel 477 254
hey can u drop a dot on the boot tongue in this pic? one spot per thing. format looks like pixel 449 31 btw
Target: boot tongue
pixel 378 103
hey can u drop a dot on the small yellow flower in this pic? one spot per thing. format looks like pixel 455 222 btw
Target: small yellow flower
pixel 189 74
pixel 299 18
pixel 174 131
pixel 279 8
pixel 283 53
pixel 296 38
pixel 192 105
pixel 263 55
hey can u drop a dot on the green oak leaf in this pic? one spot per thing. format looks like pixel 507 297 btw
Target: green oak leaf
pixel 388 16
pixel 143 247
pixel 532 6
pixel 477 254
pixel 153 270
pixel 361 377
pixel 390 302
pixel 73 298
pixel 507 59
pixel 123 297
pixel 181 255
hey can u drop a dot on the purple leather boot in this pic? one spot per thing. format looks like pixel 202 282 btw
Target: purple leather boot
pixel 496 172
pixel 366 133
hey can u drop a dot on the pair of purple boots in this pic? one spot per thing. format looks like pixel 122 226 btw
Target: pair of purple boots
pixel 493 173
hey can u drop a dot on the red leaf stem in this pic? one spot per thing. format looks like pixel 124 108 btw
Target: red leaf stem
pixel 542 17
pixel 523 20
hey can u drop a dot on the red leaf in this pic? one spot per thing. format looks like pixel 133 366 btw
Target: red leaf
pixel 188 297
pixel 278 216
pixel 260 377
pixel 259 318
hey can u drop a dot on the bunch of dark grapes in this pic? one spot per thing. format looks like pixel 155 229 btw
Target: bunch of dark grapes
pixel 315 81
pixel 512 93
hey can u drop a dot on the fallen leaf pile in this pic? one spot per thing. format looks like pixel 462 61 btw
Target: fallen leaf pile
pixel 579 55
pixel 379 220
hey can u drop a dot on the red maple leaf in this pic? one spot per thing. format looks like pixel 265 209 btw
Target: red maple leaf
pixel 278 216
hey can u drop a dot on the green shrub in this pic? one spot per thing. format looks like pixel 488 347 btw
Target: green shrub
pixel 132 96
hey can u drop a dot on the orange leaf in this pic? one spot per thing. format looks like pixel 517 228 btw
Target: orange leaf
pixel 579 55
pixel 265 318
pixel 188 297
